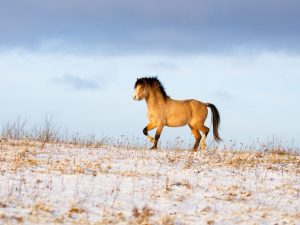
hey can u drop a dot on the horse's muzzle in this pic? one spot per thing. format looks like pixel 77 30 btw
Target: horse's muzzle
pixel 135 98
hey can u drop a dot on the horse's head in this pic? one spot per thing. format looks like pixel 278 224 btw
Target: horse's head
pixel 140 89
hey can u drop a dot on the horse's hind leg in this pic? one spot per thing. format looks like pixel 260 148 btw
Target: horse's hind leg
pixel 205 131
pixel 197 136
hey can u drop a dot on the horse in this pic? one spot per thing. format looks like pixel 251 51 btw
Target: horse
pixel 165 111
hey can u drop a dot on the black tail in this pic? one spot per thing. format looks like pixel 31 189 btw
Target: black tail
pixel 215 119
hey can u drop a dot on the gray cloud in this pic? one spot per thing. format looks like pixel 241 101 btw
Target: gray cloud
pixel 151 26
pixel 164 65
pixel 222 95
pixel 76 82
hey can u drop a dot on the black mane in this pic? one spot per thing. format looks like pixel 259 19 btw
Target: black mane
pixel 152 82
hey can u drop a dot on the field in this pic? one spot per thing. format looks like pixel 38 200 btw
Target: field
pixel 73 183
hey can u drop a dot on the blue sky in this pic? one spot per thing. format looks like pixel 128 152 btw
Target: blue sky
pixel 78 61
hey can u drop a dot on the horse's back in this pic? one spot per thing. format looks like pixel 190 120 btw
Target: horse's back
pixel 190 104
pixel 186 110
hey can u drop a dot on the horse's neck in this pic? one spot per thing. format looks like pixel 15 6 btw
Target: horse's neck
pixel 155 101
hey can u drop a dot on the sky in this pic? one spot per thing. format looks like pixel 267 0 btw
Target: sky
pixel 78 61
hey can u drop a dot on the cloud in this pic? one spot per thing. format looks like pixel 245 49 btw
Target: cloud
pixel 164 65
pixel 222 95
pixel 77 83
pixel 170 26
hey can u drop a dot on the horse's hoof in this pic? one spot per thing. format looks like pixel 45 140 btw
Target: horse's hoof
pixel 153 147
pixel 203 147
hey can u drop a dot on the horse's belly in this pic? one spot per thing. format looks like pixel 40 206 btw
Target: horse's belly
pixel 177 116
pixel 176 122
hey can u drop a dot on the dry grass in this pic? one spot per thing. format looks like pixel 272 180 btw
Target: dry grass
pixel 48 132
pixel 26 154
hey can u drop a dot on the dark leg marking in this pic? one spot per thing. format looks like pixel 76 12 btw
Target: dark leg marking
pixel 157 136
pixel 145 131
pixel 196 145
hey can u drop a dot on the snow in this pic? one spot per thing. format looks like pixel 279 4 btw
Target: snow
pixel 57 183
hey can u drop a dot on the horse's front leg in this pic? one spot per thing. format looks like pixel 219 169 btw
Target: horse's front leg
pixel 149 127
pixel 157 135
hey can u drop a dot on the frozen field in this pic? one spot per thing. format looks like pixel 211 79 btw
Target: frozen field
pixel 65 184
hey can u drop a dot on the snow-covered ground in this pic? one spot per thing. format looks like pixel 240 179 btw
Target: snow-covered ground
pixel 56 183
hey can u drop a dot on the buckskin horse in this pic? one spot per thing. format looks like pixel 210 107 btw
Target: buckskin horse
pixel 164 111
